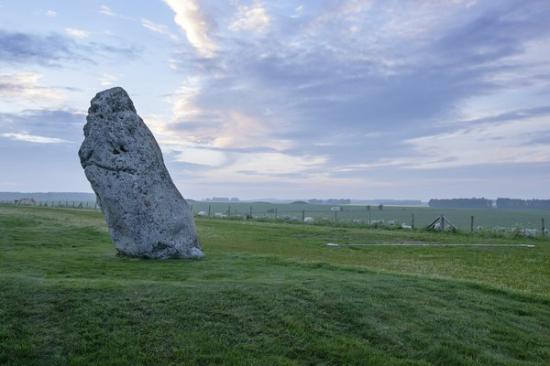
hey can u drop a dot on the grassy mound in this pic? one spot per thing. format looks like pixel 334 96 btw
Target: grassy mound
pixel 268 294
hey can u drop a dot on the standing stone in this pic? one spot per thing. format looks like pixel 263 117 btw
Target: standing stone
pixel 146 215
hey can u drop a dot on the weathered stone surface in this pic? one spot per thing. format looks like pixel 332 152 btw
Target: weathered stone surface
pixel 146 215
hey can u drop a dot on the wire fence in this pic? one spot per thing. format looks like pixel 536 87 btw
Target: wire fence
pixel 523 222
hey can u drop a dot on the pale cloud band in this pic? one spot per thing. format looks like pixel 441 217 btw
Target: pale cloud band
pixel 189 18
pixel 21 136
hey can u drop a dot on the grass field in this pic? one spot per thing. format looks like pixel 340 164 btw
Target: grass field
pixel 499 220
pixel 487 219
pixel 269 294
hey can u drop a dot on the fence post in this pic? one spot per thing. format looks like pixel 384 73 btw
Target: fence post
pixel 542 228
pixel 228 210
pixel 303 215
pixel 412 221
pixel 471 224
pixel 275 212
pixel 250 211
pixel 442 222
pixel 369 217
pixel 209 210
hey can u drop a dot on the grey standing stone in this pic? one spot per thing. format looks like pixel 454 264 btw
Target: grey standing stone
pixel 146 215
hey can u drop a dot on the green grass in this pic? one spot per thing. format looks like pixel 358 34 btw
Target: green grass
pixel 484 219
pixel 268 294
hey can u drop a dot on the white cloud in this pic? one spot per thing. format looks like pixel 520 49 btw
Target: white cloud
pixel 512 142
pixel 108 79
pixel 183 100
pixel 22 136
pixel 212 158
pixel 77 33
pixel 196 27
pixel 105 10
pixel 241 131
pixel 51 13
pixel 25 86
pixel 251 18
pixel 487 143
pixel 157 28
pixel 275 163
pixel 298 11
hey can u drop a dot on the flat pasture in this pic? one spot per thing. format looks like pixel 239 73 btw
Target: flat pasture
pixel 484 219
pixel 270 293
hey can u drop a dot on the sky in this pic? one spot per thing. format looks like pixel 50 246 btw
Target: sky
pixel 288 99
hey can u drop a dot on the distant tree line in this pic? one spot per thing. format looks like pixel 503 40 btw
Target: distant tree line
pixel 222 199
pixel 522 204
pixel 461 203
pixel 486 203
pixel 331 201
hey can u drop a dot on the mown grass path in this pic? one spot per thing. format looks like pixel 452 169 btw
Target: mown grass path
pixel 267 294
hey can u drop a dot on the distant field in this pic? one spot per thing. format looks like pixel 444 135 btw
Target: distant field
pixel 499 220
pixel 423 216
pixel 269 294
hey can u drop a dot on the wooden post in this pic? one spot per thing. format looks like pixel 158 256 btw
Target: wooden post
pixel 412 221
pixel 228 210
pixel 369 215
pixel 442 222
pixel 303 215
pixel 542 228
pixel 250 211
pixel 209 210
pixel 471 224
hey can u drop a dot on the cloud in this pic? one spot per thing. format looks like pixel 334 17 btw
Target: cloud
pixel 387 77
pixel 21 136
pixel 242 131
pixel 509 142
pixel 183 99
pixel 516 137
pixel 43 125
pixel 25 86
pixel 19 47
pixel 276 164
pixel 196 26
pixel 105 10
pixel 251 18
pixel 53 49
pixel 51 13
pixel 158 28
pixel 108 79
pixel 77 33
pixel 201 156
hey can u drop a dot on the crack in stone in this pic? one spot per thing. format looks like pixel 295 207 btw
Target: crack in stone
pixel 102 166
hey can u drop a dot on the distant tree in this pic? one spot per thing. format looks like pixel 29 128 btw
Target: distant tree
pixel 461 203
pixel 380 207
pixel 512 203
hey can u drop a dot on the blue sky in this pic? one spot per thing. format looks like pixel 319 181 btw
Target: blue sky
pixel 288 99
